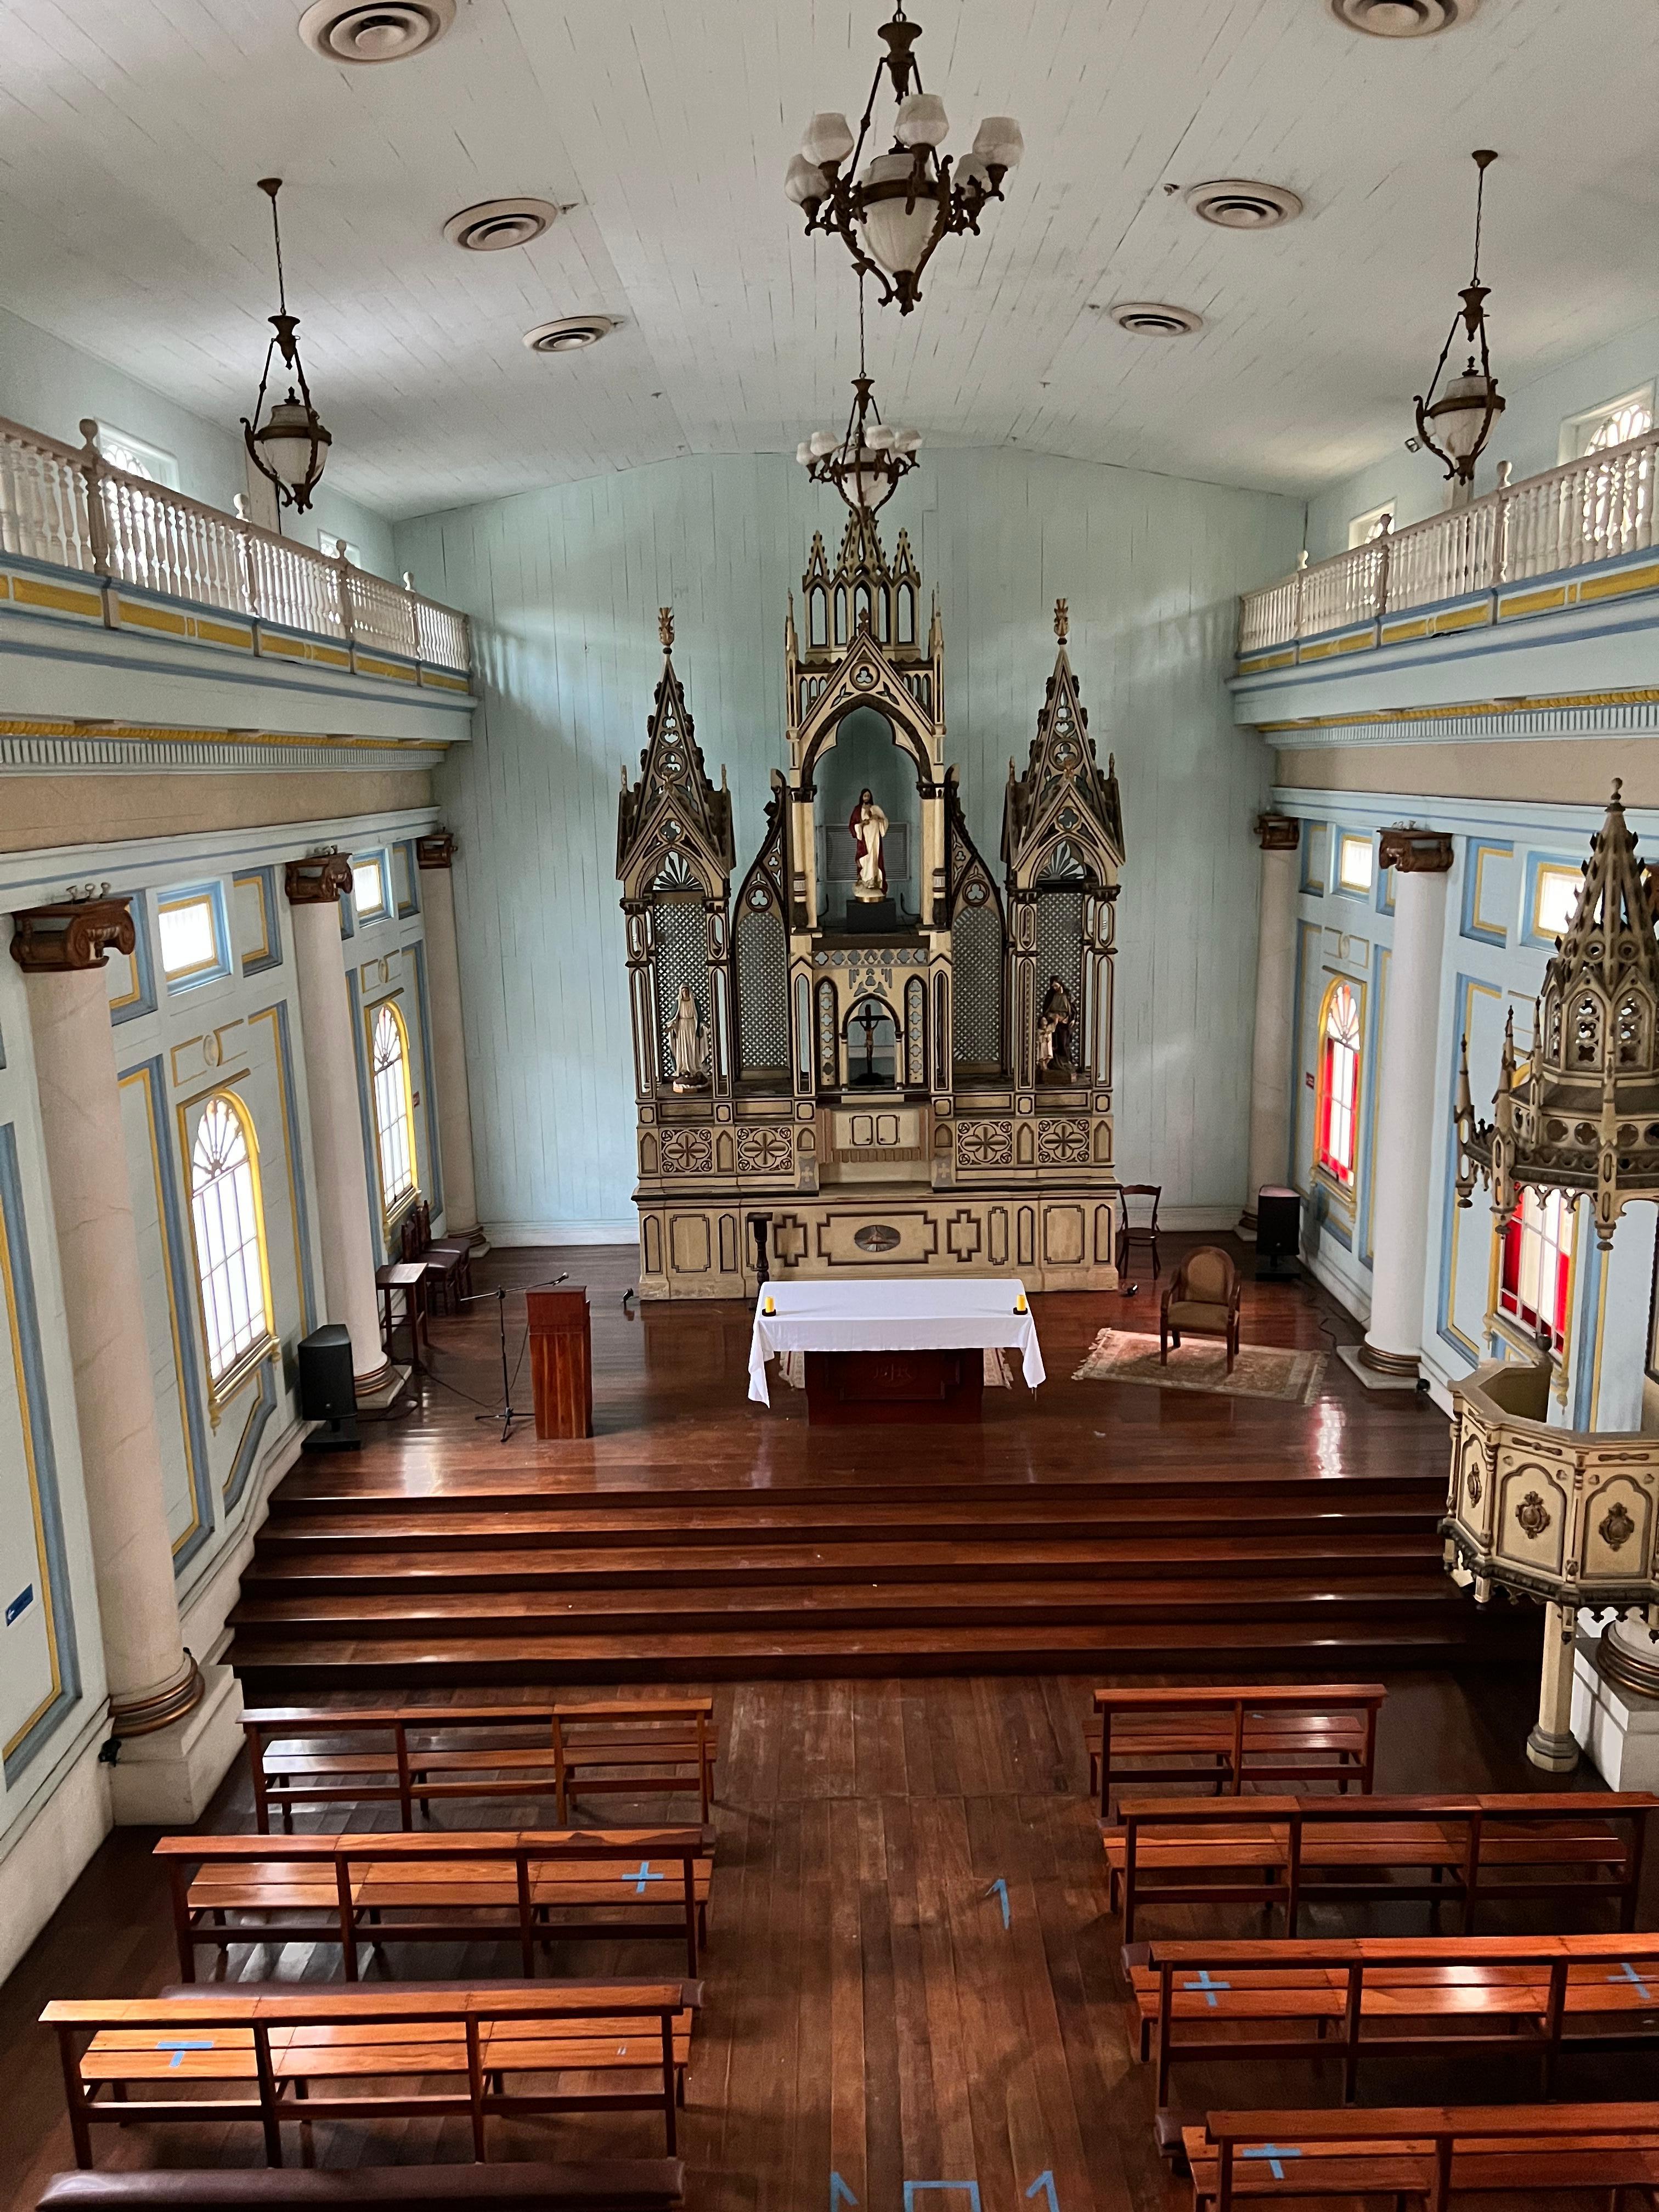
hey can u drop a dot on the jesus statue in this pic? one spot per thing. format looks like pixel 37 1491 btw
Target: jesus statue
pixel 869 827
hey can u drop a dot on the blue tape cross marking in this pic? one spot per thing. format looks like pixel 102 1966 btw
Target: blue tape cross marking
pixel 643 1876
pixel 840 2193
pixel 177 2045
pixel 1208 1987
pixel 998 1889
pixel 1046 2180
pixel 912 2187
pixel 1628 1973
pixel 1273 2153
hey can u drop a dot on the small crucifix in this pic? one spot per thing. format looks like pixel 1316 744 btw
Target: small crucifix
pixel 869 1021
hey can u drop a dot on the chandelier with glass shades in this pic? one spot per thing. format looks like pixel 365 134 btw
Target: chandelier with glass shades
pixel 893 210
pixel 866 463
pixel 1466 411
pixel 290 446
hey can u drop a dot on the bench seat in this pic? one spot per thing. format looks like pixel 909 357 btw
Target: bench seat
pixel 628 2185
pixel 324 2052
pixel 441 1886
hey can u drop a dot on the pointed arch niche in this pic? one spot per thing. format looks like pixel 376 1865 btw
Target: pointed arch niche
pixel 866 752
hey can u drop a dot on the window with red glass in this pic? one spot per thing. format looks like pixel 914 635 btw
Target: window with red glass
pixel 1337 1129
pixel 1537 1264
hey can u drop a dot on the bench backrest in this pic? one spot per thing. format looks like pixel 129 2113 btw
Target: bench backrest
pixel 1236 1704
pixel 630 2185
pixel 508 1845
pixel 332 2004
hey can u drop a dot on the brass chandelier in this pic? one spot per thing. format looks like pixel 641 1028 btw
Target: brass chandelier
pixel 1470 406
pixel 892 212
pixel 290 448
pixel 867 464
pixel 1582 1118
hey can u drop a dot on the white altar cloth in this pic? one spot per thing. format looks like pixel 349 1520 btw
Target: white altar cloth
pixel 906 1316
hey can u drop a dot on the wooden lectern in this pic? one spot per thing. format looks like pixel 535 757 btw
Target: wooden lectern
pixel 561 1359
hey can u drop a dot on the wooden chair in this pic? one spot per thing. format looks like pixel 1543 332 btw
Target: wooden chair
pixel 1203 1300
pixel 1137 1221
pixel 444 1268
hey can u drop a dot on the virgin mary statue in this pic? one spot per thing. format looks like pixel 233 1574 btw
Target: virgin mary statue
pixel 869 827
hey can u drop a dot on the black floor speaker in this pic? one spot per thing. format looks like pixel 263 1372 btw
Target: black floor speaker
pixel 1277 1234
pixel 328 1392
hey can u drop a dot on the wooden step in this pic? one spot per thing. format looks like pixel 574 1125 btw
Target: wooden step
pixel 1339 1553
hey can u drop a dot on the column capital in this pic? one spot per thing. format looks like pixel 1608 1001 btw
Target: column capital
pixel 75 934
pixel 436 849
pixel 1277 833
pixel 318 880
pixel 1415 852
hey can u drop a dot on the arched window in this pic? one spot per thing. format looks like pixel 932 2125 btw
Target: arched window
pixel 1536 1265
pixel 1336 1141
pixel 229 1223
pixel 394 1106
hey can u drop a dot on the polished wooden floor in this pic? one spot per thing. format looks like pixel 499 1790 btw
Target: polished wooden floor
pixel 699 1535
pixel 869 2016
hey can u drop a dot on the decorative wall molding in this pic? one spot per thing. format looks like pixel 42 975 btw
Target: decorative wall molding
pixel 39 748
pixel 320 879
pixel 71 935
pixel 1566 715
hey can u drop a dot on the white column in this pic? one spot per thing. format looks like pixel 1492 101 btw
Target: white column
pixel 1275 987
pixel 437 855
pixel 176 1723
pixel 314 889
pixel 1406 1102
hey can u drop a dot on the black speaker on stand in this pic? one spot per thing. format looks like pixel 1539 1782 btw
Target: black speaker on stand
pixel 327 1390
pixel 1277 1235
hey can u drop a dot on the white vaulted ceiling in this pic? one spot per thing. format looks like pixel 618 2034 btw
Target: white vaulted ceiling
pixel 131 132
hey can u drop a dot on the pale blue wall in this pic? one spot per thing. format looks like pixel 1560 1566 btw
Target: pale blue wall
pixel 48 385
pixel 1528 434
pixel 564 586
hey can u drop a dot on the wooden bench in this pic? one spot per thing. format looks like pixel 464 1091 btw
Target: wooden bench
pixel 314 2054
pixel 1425 2155
pixel 623 2185
pixel 1224 1736
pixel 1292 1852
pixel 1390 1996
pixel 409 1755
pixel 604 1884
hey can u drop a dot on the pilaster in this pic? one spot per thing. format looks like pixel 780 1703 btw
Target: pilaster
pixel 1279 836
pixel 435 857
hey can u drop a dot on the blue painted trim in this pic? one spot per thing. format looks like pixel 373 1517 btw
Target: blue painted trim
pixel 176 1245
pixel 37 1411
pixel 300 1198
pixel 1298 1023
pixel 1480 933
pixel 214 892
pixel 1339 888
pixel 412 874
pixel 381 855
pixel 1574 864
pixel 429 1085
pixel 371 1148
pixel 348 917
pixel 1363 1181
pixel 1385 889
pixel 1583 1321
pixel 143 965
pixel 3 1049
pixel 1309 882
pixel 1464 985
pixel 266 879
pixel 247 1451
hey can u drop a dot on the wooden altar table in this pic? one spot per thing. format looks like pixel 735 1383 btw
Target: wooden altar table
pixel 885 1351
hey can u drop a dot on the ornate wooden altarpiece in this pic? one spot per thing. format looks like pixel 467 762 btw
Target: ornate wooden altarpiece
pixel 982 1143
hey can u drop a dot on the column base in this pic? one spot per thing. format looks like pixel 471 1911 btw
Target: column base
pixel 374 1396
pixel 1555 1754
pixel 1245 1227
pixel 1353 1357
pixel 1618 1726
pixel 166 1779
pixel 480 1241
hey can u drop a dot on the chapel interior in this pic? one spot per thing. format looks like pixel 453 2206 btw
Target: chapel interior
pixel 829 1105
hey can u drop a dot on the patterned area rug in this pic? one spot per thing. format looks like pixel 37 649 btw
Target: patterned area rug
pixel 1261 1371
pixel 792 1366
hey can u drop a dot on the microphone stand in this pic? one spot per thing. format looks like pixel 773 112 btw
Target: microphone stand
pixel 508 1413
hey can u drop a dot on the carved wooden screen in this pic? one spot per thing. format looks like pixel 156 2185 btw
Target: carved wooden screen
pixel 1059 947
pixel 977 955
pixel 682 957
pixel 761 947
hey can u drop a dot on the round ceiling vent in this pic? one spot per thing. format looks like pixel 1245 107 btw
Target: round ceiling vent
pixel 495 224
pixel 1236 203
pixel 1402 19
pixel 570 334
pixel 374 30
pixel 1152 319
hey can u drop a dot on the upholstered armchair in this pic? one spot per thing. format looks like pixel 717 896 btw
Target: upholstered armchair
pixel 1203 1300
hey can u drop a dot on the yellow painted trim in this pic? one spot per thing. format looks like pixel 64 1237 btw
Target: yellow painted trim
pixel 394 671
pixel 257 878
pixel 34 728
pixel 142 1075
pixel 1403 633
pixel 222 1389
pixel 1619 587
pixel 1347 1195
pixel 1532 603
pixel 224 633
pixel 1321 652
pixel 270 1014
pixel 132 997
pixel 1477 918
pixel 141 615
pixel 1370 1231
pixel 1363 641
pixel 1541 704
pixel 31 1469
pixel 1474 618
pixel 1574 876
pixel 394 1213
pixel 436 679
pixel 201 967
pixel 59 596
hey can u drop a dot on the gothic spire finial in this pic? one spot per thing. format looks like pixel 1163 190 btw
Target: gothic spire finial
pixel 665 628
pixel 1062 621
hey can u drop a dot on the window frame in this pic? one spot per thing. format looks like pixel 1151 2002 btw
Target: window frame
pixel 1365 529
pixel 1346 1188
pixel 1579 431
pixel 1513 1326
pixel 245 1359
pixel 212 897
pixel 1351 837
pixel 392 1209
pixel 376 858
pixel 157 465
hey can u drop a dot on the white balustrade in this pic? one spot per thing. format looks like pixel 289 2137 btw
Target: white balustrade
pixel 66 506
pixel 1596 508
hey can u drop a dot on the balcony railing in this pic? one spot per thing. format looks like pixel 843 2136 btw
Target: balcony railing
pixel 66 506
pixel 1595 509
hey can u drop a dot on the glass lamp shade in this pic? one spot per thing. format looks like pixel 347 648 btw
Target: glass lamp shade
pixel 870 484
pixel 906 441
pixel 804 453
pixel 287 440
pixel 820 443
pixel 1462 412
pixel 1000 142
pixel 803 180
pixel 878 438
pixel 896 235
pixel 828 138
pixel 921 120
pixel 973 174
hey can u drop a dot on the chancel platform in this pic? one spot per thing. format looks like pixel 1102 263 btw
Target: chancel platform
pixel 877 1057
pixel 894 1351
